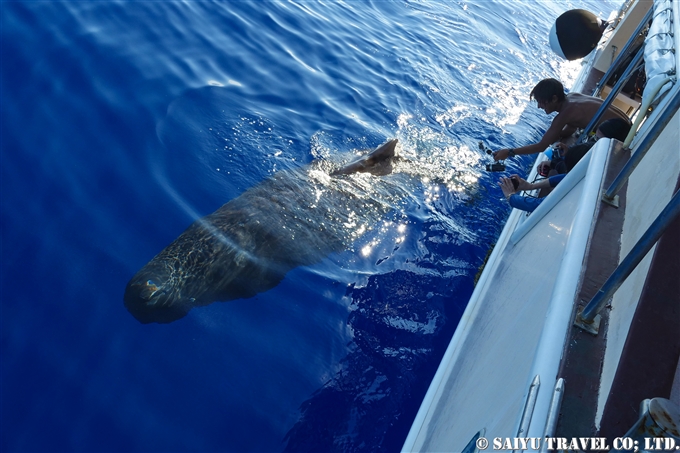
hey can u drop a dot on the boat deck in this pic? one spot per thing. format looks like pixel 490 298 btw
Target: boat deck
pixel 517 347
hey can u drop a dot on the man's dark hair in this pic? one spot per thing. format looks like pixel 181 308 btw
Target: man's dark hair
pixel 546 89
pixel 576 153
pixel 617 128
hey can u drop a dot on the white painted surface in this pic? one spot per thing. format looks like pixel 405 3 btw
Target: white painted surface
pixel 569 182
pixel 621 34
pixel 558 318
pixel 486 372
pixel 649 189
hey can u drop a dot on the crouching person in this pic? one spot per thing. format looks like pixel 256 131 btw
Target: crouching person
pixel 514 184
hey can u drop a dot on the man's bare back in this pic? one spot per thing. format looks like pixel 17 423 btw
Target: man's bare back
pixel 578 109
pixel 574 110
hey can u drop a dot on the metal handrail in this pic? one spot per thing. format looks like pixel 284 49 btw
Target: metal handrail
pixel 644 146
pixel 623 54
pixel 630 262
pixel 612 95
pixel 529 405
pixel 553 413
pixel 651 93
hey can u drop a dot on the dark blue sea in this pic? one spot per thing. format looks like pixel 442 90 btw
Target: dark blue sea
pixel 124 122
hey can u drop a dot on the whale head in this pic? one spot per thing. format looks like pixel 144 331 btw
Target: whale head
pixel 152 295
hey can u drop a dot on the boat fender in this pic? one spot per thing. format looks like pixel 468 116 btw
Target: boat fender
pixel 575 34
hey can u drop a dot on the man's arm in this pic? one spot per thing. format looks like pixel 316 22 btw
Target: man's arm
pixel 508 188
pixel 552 135
pixel 526 185
pixel 524 203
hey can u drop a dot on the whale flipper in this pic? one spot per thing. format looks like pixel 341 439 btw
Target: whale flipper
pixel 378 162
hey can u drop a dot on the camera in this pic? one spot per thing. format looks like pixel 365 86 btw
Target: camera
pixel 496 166
pixel 543 170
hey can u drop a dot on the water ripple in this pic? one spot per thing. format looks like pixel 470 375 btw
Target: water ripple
pixel 123 122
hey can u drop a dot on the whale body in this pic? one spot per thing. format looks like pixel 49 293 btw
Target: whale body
pixel 247 246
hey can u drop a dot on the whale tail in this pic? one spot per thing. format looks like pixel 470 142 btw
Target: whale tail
pixel 378 162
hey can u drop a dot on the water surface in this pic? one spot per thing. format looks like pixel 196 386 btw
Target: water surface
pixel 123 122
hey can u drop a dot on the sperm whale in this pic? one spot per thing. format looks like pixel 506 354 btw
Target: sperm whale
pixel 247 246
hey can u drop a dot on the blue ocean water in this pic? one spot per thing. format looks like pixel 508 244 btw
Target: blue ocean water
pixel 123 122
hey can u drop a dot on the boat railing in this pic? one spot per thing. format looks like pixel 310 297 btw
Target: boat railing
pixel 569 231
pixel 587 319
pixel 641 150
pixel 627 49
pixel 553 413
pixel 632 67
pixel 646 104
pixel 529 404
pixel 660 61
pixel 545 365
pixel 657 54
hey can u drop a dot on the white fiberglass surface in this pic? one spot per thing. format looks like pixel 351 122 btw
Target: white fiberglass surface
pixel 650 188
pixel 486 383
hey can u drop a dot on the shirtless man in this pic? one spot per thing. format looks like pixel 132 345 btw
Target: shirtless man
pixel 574 110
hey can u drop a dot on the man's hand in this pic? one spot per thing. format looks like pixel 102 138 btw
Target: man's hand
pixel 523 183
pixel 507 187
pixel 561 147
pixel 501 154
pixel 543 168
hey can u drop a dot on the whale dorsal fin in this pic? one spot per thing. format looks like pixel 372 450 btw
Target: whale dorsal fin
pixel 378 162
